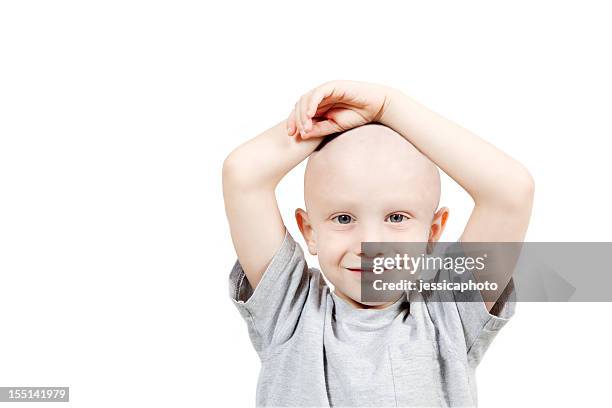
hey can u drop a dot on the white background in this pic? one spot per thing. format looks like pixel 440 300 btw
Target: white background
pixel 115 118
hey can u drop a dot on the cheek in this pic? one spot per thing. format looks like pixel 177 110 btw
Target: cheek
pixel 332 246
pixel 419 232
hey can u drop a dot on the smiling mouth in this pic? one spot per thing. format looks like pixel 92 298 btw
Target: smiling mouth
pixel 367 268
pixel 360 270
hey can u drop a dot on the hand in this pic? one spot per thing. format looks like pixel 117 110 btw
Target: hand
pixel 337 106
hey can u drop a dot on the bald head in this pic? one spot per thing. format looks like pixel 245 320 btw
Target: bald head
pixel 371 162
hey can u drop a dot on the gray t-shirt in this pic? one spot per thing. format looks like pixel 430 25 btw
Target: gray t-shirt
pixel 316 350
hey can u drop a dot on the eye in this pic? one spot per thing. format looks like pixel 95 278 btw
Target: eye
pixel 397 217
pixel 343 219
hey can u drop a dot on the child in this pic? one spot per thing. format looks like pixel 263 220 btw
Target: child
pixel 378 182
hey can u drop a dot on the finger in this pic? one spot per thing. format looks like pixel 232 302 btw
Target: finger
pixel 322 128
pixel 298 118
pixel 306 122
pixel 324 108
pixel 291 124
pixel 316 97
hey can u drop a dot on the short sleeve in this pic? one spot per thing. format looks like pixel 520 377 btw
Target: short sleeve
pixel 479 325
pixel 273 309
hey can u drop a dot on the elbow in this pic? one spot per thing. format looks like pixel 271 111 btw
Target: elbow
pixel 240 174
pixel 229 167
pixel 513 193
pixel 521 192
pixel 530 186
pixel 526 186
pixel 231 170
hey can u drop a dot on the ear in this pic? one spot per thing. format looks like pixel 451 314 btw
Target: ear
pixel 437 224
pixel 306 229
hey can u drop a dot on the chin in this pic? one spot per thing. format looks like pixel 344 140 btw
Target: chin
pixel 374 304
pixel 357 299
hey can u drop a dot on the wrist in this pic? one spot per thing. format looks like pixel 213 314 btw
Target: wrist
pixel 393 98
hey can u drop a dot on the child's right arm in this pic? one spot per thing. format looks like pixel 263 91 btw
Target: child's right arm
pixel 250 175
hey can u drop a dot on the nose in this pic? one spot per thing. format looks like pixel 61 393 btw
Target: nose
pixel 368 243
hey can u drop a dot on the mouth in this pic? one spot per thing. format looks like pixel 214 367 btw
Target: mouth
pixel 360 270
pixel 366 267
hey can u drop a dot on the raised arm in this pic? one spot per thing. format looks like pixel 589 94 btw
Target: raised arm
pixel 250 175
pixel 502 188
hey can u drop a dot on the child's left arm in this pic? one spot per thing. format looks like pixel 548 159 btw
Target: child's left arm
pixel 502 188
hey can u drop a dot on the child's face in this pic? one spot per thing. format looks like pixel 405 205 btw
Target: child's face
pixel 367 185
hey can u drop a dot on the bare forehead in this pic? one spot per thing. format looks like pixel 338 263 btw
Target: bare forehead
pixel 361 159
